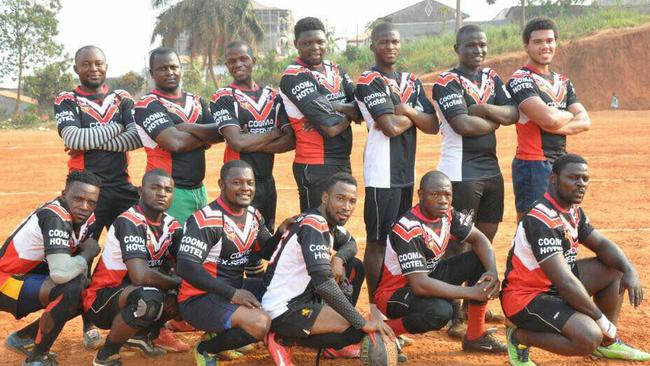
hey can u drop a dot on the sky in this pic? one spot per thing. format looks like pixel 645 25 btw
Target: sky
pixel 123 28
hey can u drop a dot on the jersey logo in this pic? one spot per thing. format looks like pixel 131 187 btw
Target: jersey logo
pixel 243 239
pixel 556 91
pixel 261 108
pixel 157 246
pixel 479 93
pixel 437 242
pixel 329 78
pixel 103 113
pixel 188 113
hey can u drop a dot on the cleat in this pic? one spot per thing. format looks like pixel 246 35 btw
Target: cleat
pixel 246 349
pixel 351 351
pixel 518 354
pixel 456 329
pixel 405 341
pixel 280 354
pixel 46 360
pixel 621 351
pixel 204 359
pixel 401 356
pixel 229 355
pixel 92 339
pixel 20 345
pixel 144 345
pixel 485 343
pixel 179 326
pixel 169 342
pixel 113 360
pixel 495 317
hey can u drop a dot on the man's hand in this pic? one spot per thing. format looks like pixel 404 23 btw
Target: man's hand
pixel 375 313
pixel 631 282
pixel 376 325
pixel 89 248
pixel 245 298
pixel 479 292
pixel 338 269
pixel 403 109
pixel 286 224
pixel 493 284
pixel 477 110
pixel 307 126
pixel 185 127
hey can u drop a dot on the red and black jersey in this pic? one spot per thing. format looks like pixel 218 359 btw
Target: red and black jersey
pixel 545 231
pixel 47 230
pixel 416 244
pixel 467 158
pixel 308 93
pixel 557 91
pixel 80 109
pixel 156 112
pixel 213 239
pixel 389 162
pixel 254 111
pixel 132 235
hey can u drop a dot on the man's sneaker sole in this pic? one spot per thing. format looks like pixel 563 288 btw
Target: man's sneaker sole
pixel 143 347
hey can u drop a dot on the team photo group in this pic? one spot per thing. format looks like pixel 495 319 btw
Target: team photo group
pixel 173 261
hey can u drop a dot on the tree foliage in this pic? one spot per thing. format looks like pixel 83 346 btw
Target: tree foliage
pixel 48 82
pixel 131 82
pixel 27 36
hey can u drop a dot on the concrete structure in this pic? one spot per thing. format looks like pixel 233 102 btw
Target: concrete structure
pixel 8 102
pixel 278 28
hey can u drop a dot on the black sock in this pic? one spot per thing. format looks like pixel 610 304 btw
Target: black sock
pixel 29 331
pixel 230 339
pixel 328 340
pixel 109 349
pixel 456 315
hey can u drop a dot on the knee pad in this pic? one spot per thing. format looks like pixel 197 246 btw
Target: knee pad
pixel 70 293
pixel 144 306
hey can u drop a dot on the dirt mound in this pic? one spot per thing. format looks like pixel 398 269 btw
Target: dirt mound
pixel 598 65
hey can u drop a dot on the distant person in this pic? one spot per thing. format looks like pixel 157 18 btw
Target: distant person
pixel 473 102
pixel 554 300
pixel 613 104
pixel 319 99
pixel 549 111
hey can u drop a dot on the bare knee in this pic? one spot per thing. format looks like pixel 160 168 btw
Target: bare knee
pixel 588 339
pixel 258 324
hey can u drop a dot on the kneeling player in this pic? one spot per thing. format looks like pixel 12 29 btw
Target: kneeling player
pixel 128 294
pixel 43 265
pixel 416 287
pixel 216 245
pixel 306 285
pixel 547 292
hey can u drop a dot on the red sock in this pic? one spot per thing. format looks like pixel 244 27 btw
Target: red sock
pixel 397 326
pixel 475 320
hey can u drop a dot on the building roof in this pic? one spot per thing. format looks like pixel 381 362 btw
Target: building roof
pixel 424 11
pixel 13 95
pixel 259 6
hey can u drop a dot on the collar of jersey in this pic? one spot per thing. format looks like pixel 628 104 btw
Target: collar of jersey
pixel 102 90
pixel 253 89
pixel 228 209
pixel 417 212
pixel 300 62
pixel 535 70
pixel 554 203
pixel 149 222
pixel 167 96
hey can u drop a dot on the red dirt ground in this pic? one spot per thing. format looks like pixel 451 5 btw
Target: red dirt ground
pixel 33 170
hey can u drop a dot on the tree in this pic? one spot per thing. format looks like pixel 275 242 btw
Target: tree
pixel 208 25
pixel 27 37
pixel 48 82
pixel 131 82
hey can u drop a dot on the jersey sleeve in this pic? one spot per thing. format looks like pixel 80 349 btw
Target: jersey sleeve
pixel 153 118
pixel 197 240
pixel 282 118
pixel 302 91
pixel 521 87
pixel 423 103
pixel 448 94
pixel 132 239
pixel 344 244
pixel 584 226
pixel 126 108
pixel 347 84
pixel 312 237
pixel 56 236
pixel 375 96
pixel 544 241
pixel 571 97
pixel 66 112
pixel 222 107
pixel 206 115
pixel 406 242
pixel 461 225
pixel 501 95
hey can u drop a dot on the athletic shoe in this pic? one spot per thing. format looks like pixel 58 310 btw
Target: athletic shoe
pixel 494 317
pixel 92 339
pixel 246 349
pixel 169 342
pixel 485 343
pixel 280 354
pixel 405 341
pixel 20 345
pixel 401 356
pixel 113 360
pixel 144 345
pixel 228 355
pixel 204 359
pixel 179 326
pixel 518 354
pixel 456 329
pixel 46 360
pixel 621 351
pixel 351 351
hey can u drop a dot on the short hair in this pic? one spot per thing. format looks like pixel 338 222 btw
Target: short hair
pixel 155 173
pixel 227 167
pixel 239 43
pixel 160 51
pixel 341 177
pixel 307 24
pixel 432 176
pixel 82 176
pixel 565 160
pixel 539 23
pixel 381 28
pixel 465 30
pixel 87 48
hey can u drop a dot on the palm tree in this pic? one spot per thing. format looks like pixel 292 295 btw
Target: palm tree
pixel 209 25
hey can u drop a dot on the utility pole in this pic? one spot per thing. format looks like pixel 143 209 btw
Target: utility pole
pixel 459 16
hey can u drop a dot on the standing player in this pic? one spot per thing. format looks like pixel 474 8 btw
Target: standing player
pixel 393 104
pixel 128 293
pixel 161 117
pixel 549 111
pixel 313 280
pixel 556 301
pixel 318 96
pixel 43 265
pixel 417 287
pixel 216 245
pixel 473 103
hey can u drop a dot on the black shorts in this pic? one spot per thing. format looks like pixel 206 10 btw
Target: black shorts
pixel 298 320
pixel 481 199
pixel 546 313
pixel 311 181
pixel 266 200
pixel 382 207
pixel 106 306
pixel 112 202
